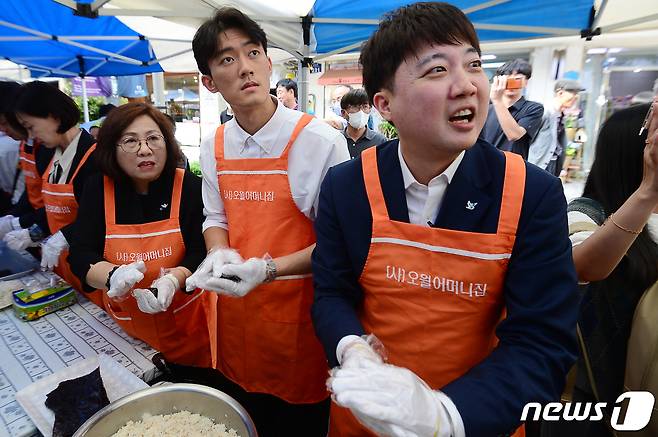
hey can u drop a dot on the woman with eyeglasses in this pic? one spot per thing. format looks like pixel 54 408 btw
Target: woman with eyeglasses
pixel 138 236
pixel 50 118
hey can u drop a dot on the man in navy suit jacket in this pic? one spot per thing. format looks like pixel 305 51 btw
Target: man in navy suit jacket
pixel 436 95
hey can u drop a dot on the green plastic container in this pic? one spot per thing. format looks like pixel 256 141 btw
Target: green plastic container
pixel 30 305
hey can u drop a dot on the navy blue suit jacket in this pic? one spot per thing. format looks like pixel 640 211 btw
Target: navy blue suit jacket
pixel 537 339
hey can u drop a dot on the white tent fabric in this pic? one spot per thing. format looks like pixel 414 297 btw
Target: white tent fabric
pixel 170 24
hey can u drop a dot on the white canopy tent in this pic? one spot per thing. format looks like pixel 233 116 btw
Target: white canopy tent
pixel 170 24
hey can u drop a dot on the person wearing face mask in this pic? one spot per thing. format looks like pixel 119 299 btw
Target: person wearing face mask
pixel 334 119
pixel 140 235
pixel 355 108
pixel 51 119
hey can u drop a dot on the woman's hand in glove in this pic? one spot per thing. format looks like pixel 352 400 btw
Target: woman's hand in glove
pixel 148 302
pixel 124 278
pixel 51 249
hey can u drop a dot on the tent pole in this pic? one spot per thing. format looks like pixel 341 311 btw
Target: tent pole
pixel 85 105
pixel 305 63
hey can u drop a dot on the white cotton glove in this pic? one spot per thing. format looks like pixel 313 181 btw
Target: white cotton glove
pixel 390 400
pixel 51 249
pixel 8 223
pixel 249 275
pixel 356 352
pixel 19 240
pixel 124 278
pixel 166 287
pixel 212 267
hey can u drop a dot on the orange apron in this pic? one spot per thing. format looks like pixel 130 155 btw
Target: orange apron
pixel 265 340
pixel 419 280
pixel 61 210
pixel 32 178
pixel 181 332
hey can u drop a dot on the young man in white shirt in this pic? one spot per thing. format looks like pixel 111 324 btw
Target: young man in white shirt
pixel 261 179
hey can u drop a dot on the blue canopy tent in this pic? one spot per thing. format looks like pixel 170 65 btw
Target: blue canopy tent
pixel 50 40
pixel 330 26
pixel 342 25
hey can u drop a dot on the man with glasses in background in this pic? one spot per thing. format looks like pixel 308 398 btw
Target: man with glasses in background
pixel 355 109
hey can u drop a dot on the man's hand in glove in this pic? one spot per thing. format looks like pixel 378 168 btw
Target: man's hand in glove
pixel 51 249
pixel 212 267
pixel 165 287
pixel 19 240
pixel 247 276
pixel 124 278
pixel 390 400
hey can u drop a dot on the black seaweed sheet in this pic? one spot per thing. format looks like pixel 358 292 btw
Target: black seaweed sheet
pixel 76 400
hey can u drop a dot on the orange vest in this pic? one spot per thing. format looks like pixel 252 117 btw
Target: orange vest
pixel 450 282
pixel 61 210
pixel 32 178
pixel 181 332
pixel 265 340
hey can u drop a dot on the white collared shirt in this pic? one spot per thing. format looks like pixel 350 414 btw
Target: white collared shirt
pixel 318 147
pixel 65 159
pixel 424 201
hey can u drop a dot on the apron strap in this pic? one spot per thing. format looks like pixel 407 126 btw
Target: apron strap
pixel 176 193
pixel 82 162
pixel 304 120
pixel 108 195
pixel 513 190
pixel 219 144
pixel 373 185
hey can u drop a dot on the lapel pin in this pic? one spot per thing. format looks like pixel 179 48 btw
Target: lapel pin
pixel 470 205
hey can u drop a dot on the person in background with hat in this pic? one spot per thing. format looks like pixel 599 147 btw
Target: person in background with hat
pixel 547 150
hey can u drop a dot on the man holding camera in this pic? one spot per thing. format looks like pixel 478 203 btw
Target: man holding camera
pixel 512 122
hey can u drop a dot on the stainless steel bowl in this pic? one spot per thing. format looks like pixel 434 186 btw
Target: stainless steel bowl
pixel 167 399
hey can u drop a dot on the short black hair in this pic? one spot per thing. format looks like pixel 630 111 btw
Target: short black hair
pixel 289 84
pixel 103 110
pixel 519 65
pixel 9 92
pixel 401 32
pixel 205 44
pixel 355 97
pixel 41 99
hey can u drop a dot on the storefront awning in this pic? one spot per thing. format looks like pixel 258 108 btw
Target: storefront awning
pixel 342 76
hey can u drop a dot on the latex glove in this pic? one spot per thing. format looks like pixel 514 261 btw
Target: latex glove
pixel 251 274
pixel 389 400
pixel 8 223
pixel 124 278
pixel 19 240
pixel 51 249
pixel 211 267
pixel 353 351
pixel 149 303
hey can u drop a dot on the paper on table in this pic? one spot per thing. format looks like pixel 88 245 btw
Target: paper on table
pixel 118 382
pixel 6 290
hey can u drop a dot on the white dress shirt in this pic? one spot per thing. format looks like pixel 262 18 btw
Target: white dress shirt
pixel 317 148
pixel 65 159
pixel 424 201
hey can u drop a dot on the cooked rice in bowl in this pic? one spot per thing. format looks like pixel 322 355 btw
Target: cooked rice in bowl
pixel 182 423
